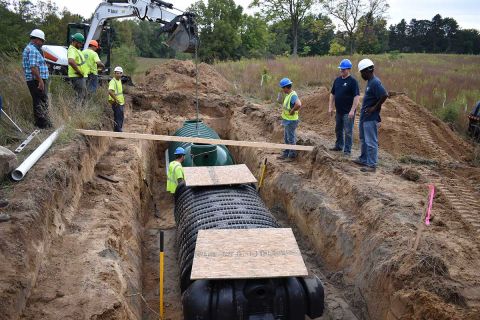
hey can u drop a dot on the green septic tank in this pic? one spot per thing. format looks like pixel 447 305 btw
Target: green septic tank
pixel 200 154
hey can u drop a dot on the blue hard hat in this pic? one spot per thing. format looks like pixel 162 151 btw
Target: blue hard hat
pixel 285 82
pixel 179 151
pixel 345 64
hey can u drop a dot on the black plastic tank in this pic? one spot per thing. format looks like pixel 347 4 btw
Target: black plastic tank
pixel 236 207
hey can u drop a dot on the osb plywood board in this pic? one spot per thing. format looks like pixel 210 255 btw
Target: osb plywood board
pixel 218 175
pixel 247 253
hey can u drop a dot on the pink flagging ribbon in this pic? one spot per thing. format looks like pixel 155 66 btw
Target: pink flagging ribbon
pixel 431 194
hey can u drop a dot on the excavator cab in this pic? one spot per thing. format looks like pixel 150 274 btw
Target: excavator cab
pixel 73 28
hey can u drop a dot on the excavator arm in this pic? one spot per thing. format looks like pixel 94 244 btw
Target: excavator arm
pixel 181 28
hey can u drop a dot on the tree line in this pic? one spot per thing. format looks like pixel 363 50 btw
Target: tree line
pixel 280 27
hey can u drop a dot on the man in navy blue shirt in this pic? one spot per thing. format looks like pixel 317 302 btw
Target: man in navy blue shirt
pixel 375 96
pixel 346 94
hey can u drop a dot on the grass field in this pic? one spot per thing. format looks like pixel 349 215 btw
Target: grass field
pixel 145 64
pixel 448 85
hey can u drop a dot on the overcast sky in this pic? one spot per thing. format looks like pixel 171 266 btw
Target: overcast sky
pixel 466 12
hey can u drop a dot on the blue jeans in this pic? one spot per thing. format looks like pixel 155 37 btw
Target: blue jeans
pixel 92 82
pixel 344 128
pixel 369 142
pixel 290 136
pixel 118 117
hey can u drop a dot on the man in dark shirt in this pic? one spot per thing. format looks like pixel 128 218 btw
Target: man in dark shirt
pixel 375 96
pixel 346 94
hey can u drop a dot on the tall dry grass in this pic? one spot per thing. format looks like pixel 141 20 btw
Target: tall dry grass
pixel 448 85
pixel 63 107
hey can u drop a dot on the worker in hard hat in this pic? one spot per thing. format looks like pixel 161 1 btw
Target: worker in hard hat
pixel 346 95
pixel 175 170
pixel 93 63
pixel 291 106
pixel 36 74
pixel 77 67
pixel 375 96
pixel 117 99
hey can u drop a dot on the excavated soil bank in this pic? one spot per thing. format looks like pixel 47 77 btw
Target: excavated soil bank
pixel 81 247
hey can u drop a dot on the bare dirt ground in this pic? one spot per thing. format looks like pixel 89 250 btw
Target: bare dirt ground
pixel 80 247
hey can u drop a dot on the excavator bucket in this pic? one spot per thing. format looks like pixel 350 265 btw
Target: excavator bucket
pixel 184 38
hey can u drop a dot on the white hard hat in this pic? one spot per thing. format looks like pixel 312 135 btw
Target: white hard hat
pixel 364 64
pixel 118 69
pixel 37 33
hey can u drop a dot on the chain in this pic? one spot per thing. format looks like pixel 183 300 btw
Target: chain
pixel 196 84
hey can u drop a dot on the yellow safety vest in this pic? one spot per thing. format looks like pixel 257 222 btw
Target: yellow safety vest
pixel 175 172
pixel 77 55
pixel 117 87
pixel 286 107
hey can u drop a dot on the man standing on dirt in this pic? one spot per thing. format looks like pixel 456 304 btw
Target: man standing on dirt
pixel 375 96
pixel 36 74
pixel 77 68
pixel 346 94
pixel 175 170
pixel 116 99
pixel 291 105
pixel 93 63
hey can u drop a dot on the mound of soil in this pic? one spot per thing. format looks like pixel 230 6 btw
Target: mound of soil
pixel 407 128
pixel 180 75
pixel 171 87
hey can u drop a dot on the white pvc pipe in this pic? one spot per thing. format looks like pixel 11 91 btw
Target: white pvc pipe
pixel 26 165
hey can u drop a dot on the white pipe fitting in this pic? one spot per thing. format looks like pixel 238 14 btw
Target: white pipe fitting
pixel 19 173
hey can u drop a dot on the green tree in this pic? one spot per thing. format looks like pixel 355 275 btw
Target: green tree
pixel 316 33
pixel 293 10
pixel 371 35
pixel 126 57
pixel 398 38
pixel 15 30
pixel 336 49
pixel 219 22
pixel 25 8
pixel 255 36
pixel 280 38
pixel 150 42
pixel 349 13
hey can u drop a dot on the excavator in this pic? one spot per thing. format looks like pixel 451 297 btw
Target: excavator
pixel 180 28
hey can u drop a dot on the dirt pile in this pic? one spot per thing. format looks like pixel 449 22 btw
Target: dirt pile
pixel 407 129
pixel 172 86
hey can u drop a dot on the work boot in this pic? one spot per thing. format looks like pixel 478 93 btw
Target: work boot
pixel 3 203
pixel 368 169
pixel 358 162
pixel 335 149
pixel 4 217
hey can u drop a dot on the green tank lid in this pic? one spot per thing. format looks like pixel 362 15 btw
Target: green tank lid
pixel 200 154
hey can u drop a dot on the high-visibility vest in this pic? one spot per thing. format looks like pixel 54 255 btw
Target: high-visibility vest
pixel 175 172
pixel 286 107
pixel 79 58
pixel 117 87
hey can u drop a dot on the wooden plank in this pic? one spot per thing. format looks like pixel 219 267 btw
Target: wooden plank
pixel 143 136
pixel 218 175
pixel 247 253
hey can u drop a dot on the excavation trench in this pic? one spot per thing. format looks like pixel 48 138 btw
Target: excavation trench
pixel 86 247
